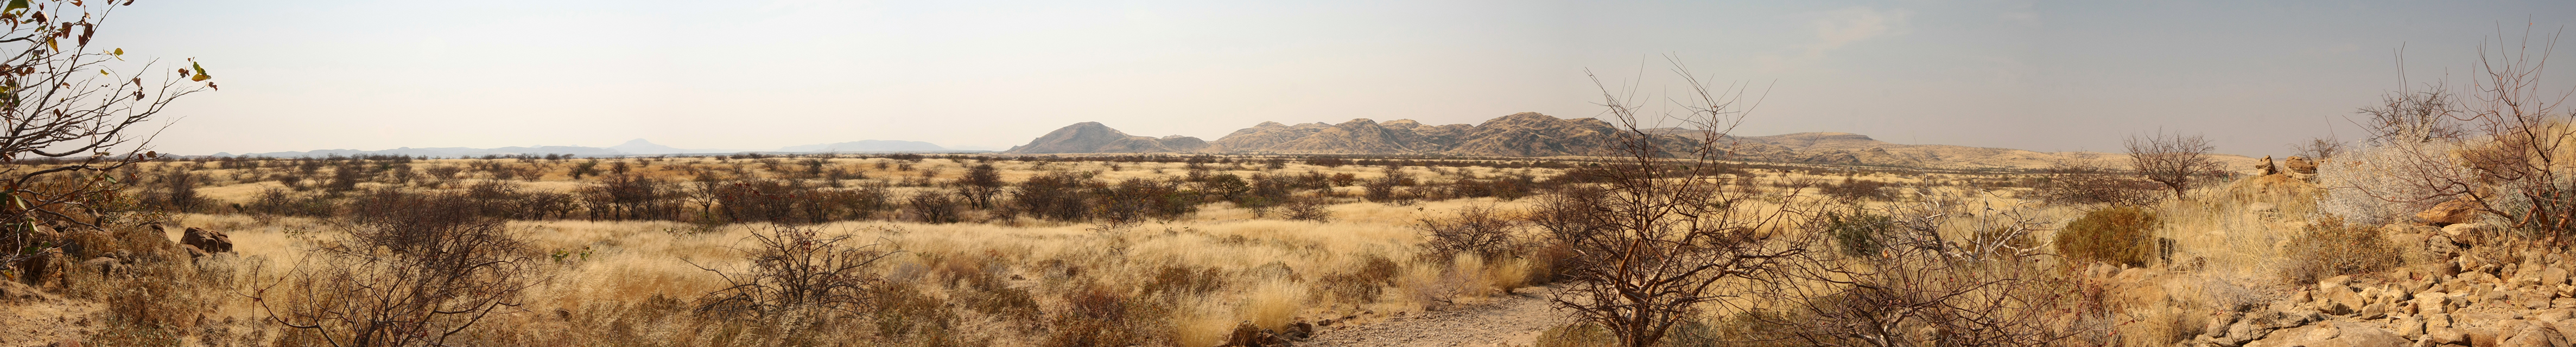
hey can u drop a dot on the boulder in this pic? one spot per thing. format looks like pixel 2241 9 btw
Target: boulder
pixel 208 240
pixel 2447 336
pixel 2553 276
pixel 2266 168
pixel 1245 335
pixel 2431 304
pixel 2299 164
pixel 2468 233
pixel 2449 212
pixel 2530 336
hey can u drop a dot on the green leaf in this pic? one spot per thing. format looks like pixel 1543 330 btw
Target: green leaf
pixel 119 52
pixel 201 72
pixel 15 5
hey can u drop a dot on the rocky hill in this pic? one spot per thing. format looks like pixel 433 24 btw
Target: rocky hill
pixel 1530 134
pixel 1093 137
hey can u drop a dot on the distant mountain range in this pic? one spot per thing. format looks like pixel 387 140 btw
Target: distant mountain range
pixel 1530 134
pixel 631 147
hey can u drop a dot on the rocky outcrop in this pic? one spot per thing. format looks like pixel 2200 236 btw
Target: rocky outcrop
pixel 2449 212
pixel 1092 137
pixel 2456 293
pixel 1262 136
pixel 1530 134
pixel 206 240
pixel 1358 136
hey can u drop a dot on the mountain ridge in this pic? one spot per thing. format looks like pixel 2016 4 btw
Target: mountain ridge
pixel 1531 134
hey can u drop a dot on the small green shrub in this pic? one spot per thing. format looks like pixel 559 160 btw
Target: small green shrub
pixel 1857 232
pixel 2118 235
pixel 2332 248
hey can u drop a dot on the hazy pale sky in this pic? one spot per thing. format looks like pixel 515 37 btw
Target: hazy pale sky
pixel 2253 76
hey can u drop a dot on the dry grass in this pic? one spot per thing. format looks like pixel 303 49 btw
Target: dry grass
pixel 976 283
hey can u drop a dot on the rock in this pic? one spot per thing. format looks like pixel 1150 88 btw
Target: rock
pixel 2468 233
pixel 2299 164
pixel 2373 311
pixel 105 266
pixel 2482 336
pixel 2553 276
pixel 2369 337
pixel 2437 321
pixel 2531 299
pixel 193 252
pixel 2431 303
pixel 2552 316
pixel 2447 336
pixel 2410 327
pixel 42 267
pixel 2534 337
pixel 208 240
pixel 2218 325
pixel 66 343
pixel 2333 334
pixel 1301 330
pixel 1272 338
pixel 2449 212
pixel 1245 335
pixel 2266 168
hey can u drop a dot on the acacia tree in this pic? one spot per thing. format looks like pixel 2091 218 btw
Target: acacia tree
pixel 72 114
pixel 2171 159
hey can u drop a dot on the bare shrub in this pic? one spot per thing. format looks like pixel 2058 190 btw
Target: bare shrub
pixel 1662 239
pixel 1921 287
pixel 2172 159
pixel 2076 182
pixel 1312 209
pixel 795 269
pixel 935 207
pixel 1477 230
pixel 403 280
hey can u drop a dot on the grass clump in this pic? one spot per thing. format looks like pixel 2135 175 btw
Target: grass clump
pixel 2331 248
pixel 2118 235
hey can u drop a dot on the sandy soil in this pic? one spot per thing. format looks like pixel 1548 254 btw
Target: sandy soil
pixel 1509 320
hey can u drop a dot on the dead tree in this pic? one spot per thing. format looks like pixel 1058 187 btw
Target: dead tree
pixel 2171 159
pixel 72 113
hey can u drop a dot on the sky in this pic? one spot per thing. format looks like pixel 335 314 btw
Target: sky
pixel 2251 76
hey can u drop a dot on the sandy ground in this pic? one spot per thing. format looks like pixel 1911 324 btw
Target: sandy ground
pixel 1510 320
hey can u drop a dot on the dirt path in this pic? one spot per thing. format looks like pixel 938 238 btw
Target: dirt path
pixel 1510 320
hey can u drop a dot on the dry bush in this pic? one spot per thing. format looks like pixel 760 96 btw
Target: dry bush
pixel 2331 248
pixel 1859 190
pixel 934 207
pixel 1476 230
pixel 1362 285
pixel 402 280
pixel 796 269
pixel 2117 235
pixel 2174 160
pixel 1659 240
pixel 1923 287
pixel 2076 182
